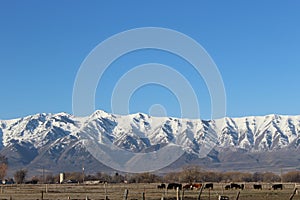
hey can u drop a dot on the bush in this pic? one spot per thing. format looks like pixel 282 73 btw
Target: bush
pixel 190 174
pixel 144 178
pixel 292 177
pixel 3 166
pixel 20 175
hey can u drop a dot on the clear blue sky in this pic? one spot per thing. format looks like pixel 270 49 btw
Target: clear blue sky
pixel 255 44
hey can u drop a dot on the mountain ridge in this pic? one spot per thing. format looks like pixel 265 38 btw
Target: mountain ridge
pixel 58 138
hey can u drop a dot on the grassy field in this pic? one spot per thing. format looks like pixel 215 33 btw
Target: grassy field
pixel 116 192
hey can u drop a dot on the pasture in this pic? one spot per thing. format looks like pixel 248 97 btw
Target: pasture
pixel 136 191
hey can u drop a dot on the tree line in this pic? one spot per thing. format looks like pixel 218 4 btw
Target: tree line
pixel 189 174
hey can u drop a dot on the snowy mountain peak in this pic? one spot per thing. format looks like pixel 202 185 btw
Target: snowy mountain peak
pixel 138 131
pixel 59 136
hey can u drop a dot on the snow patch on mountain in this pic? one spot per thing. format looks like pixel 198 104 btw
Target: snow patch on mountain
pixel 140 132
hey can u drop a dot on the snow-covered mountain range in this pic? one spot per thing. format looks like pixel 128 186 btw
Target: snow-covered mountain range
pixel 60 142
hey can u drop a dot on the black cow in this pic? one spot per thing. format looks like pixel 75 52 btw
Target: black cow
pixel 257 187
pixel 31 182
pixel 174 186
pixel 227 187
pixel 161 186
pixel 223 198
pixel 277 186
pixel 209 186
pixel 242 186
pixel 235 186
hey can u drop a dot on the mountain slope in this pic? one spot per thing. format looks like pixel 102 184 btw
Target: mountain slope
pixel 60 142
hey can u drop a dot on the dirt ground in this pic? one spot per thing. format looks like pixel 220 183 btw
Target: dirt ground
pixel 136 191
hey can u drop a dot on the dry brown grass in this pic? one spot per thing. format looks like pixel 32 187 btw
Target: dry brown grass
pixel 116 192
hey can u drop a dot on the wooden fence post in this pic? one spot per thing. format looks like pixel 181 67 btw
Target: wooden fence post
pixel 143 195
pixel 182 194
pixel 177 193
pixel 200 192
pixel 42 197
pixel 238 195
pixel 105 191
pixel 292 196
pixel 222 189
pixel 164 194
pixel 125 194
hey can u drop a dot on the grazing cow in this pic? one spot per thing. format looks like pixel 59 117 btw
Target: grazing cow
pixel 277 186
pixel 161 186
pixel 188 187
pixel 235 186
pixel 242 186
pixel 223 198
pixel 227 187
pixel 257 187
pixel 31 182
pixel 209 186
pixel 174 186
pixel 192 186
pixel 196 185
